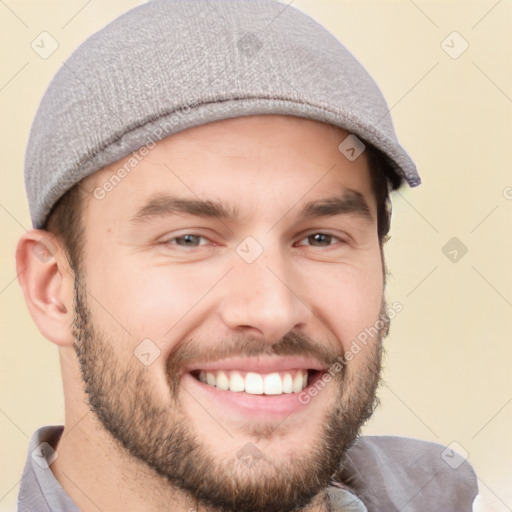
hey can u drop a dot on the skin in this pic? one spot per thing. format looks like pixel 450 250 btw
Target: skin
pixel 142 284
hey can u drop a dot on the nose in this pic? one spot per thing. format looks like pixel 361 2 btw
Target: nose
pixel 262 299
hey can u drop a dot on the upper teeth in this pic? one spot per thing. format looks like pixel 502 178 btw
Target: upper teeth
pixel 256 383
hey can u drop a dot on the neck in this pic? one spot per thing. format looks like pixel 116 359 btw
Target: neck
pixel 98 474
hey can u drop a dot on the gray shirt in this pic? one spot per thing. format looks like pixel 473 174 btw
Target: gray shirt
pixel 379 474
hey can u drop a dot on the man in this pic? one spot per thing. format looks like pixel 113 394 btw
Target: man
pixel 208 184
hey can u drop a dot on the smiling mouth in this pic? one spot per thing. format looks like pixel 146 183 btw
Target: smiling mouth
pixel 252 383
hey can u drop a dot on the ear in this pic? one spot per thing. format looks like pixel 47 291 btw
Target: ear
pixel 47 282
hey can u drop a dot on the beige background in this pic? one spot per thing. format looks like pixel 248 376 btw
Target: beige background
pixel 447 376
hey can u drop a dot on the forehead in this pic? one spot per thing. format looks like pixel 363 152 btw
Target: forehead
pixel 249 162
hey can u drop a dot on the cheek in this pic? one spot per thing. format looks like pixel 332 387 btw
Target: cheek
pixel 148 300
pixel 348 300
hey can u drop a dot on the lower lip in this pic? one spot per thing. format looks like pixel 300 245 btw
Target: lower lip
pixel 267 406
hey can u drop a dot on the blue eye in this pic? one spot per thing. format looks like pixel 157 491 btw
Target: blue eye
pixel 189 240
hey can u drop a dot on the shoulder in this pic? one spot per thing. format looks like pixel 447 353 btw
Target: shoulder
pixel 410 475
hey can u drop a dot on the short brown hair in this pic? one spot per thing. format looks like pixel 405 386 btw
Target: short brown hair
pixel 65 222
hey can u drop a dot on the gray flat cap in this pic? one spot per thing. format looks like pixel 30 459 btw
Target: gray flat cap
pixel 169 65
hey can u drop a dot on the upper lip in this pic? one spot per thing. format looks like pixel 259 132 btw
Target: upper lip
pixel 258 364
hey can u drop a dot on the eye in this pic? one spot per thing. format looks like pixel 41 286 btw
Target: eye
pixel 320 240
pixel 189 240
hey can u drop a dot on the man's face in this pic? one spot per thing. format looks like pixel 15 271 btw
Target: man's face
pixel 244 255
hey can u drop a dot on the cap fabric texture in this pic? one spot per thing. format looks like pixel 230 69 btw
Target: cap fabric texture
pixel 169 65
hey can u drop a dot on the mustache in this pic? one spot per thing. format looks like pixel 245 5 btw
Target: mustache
pixel 292 344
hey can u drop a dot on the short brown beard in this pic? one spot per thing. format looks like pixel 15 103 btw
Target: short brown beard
pixel 120 394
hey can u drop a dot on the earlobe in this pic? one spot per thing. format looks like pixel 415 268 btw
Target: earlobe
pixel 47 280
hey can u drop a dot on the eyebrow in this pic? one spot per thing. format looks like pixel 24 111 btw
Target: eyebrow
pixel 349 202
pixel 163 205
